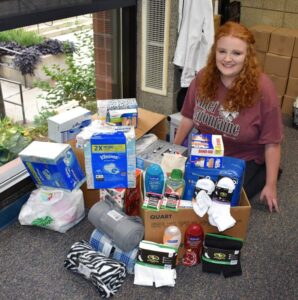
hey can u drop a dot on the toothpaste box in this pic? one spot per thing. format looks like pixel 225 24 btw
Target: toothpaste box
pixel 65 126
pixel 110 158
pixel 53 165
pixel 122 112
pixel 206 150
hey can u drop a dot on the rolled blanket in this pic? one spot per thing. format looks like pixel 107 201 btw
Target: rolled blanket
pixel 125 231
pixel 106 274
pixel 102 243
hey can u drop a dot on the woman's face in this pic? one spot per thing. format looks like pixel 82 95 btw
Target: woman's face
pixel 230 56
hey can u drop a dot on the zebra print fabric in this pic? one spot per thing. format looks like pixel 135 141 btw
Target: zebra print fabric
pixel 106 274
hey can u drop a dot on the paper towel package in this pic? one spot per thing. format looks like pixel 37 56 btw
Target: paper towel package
pixel 53 165
pixel 110 158
pixel 65 126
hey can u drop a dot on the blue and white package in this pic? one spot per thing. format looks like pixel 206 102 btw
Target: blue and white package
pixel 110 158
pixel 121 112
pixel 53 165
pixel 233 168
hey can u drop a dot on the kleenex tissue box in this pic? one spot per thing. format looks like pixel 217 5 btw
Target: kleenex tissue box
pixel 53 165
pixel 65 126
pixel 110 158
pixel 207 150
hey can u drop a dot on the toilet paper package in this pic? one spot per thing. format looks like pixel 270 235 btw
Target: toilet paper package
pixel 233 168
pixel 110 158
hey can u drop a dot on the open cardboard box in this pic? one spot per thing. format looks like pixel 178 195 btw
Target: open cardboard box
pixel 155 222
pixel 148 121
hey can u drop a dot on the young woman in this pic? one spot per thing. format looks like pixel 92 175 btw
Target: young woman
pixel 232 97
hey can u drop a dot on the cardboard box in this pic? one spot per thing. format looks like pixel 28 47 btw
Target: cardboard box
pixel 53 165
pixel 282 41
pixel 147 122
pixel 66 125
pixel 294 67
pixel 262 35
pixel 292 87
pixel 295 50
pixel 155 222
pixel 280 83
pixel 216 19
pixel 261 58
pixel 277 65
pixel 287 105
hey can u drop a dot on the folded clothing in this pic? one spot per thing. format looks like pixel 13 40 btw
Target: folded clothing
pixel 102 243
pixel 125 231
pixel 106 274
pixel 221 253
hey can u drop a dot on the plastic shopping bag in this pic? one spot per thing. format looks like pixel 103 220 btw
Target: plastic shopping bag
pixel 53 209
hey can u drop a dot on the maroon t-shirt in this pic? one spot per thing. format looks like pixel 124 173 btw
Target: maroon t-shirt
pixel 245 134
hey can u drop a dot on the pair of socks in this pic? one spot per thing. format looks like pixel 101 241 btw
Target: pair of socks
pixel 147 276
pixel 221 254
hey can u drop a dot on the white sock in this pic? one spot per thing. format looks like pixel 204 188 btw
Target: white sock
pixel 164 277
pixel 220 215
pixel 202 203
pixel 143 275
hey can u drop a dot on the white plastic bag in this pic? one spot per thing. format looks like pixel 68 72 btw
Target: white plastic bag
pixel 54 209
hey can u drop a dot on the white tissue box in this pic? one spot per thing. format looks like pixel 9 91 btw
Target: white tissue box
pixel 65 126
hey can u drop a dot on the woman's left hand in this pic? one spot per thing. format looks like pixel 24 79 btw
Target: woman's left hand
pixel 269 196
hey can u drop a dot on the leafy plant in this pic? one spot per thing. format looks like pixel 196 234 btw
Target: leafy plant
pixel 13 139
pixel 28 57
pixel 21 37
pixel 77 81
pixel 40 125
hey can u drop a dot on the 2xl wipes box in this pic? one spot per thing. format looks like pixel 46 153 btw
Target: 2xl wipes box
pixel 110 158
pixel 53 165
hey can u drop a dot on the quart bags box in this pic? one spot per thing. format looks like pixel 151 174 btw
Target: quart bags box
pixel 53 165
pixel 155 222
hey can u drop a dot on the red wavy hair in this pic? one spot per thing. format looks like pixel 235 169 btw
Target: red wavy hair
pixel 244 90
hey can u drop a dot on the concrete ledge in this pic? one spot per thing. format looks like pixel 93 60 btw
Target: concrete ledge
pixel 49 60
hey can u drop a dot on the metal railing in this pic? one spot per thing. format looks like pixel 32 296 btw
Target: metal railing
pixel 2 100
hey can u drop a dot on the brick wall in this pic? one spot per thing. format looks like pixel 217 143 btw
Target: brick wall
pixel 102 51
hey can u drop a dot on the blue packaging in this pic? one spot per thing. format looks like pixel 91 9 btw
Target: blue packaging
pixel 232 167
pixel 53 165
pixel 110 159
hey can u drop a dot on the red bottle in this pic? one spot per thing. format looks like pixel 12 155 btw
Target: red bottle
pixel 193 243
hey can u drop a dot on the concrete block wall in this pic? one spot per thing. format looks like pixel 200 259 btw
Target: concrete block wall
pixel 279 13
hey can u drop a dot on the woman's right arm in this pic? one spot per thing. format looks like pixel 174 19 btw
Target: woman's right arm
pixel 184 129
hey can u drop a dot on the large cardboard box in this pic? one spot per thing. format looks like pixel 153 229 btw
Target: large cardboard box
pixel 280 83
pixel 155 222
pixel 295 50
pixel 147 122
pixel 261 58
pixel 294 67
pixel 287 105
pixel 262 35
pixel 277 65
pixel 292 87
pixel 282 41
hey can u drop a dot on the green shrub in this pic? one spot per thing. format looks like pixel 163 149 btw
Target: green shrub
pixel 21 36
pixel 77 81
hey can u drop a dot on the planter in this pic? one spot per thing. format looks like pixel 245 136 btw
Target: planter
pixel 7 69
